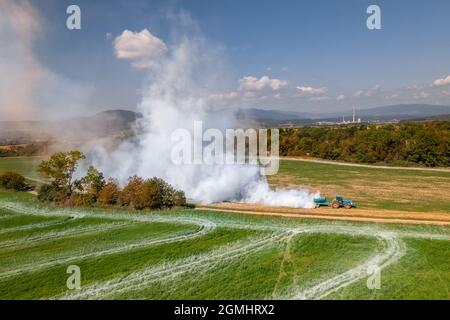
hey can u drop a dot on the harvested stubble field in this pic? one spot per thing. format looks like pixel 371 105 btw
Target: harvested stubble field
pixel 371 187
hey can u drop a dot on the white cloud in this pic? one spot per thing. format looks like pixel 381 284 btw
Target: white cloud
pixel 422 95
pixel 367 93
pixel 254 84
pixel 358 93
pixel 323 98
pixel 446 92
pixel 340 97
pixel 284 69
pixel 392 96
pixel 221 96
pixel 249 94
pixel 311 90
pixel 442 81
pixel 141 48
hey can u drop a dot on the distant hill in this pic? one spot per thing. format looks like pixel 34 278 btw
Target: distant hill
pixel 103 124
pixel 260 114
pixel 391 112
pixel 119 123
pixel 404 111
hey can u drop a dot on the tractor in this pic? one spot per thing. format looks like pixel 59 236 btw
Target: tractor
pixel 336 203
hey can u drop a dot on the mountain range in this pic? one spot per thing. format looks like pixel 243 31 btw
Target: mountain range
pixel 398 112
pixel 118 123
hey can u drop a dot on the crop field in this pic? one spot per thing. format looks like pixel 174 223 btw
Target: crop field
pixel 203 255
pixel 371 188
pixel 197 254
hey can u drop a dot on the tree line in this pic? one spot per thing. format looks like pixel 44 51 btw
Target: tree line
pixel 94 190
pixel 425 144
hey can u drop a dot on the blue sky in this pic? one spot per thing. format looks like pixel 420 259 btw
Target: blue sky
pixel 316 55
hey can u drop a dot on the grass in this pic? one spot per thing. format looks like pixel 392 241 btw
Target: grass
pixel 280 268
pixel 371 188
pixel 26 166
pixel 424 273
pixel 130 255
pixel 272 273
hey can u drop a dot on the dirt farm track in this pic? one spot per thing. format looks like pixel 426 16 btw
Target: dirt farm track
pixel 366 215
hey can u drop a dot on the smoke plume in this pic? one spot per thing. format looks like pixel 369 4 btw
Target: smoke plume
pixel 29 89
pixel 174 97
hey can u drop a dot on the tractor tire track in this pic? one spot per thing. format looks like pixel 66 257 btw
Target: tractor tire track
pixel 51 235
pixel 393 249
pixel 75 213
pixel 33 267
pixel 34 226
pixel 199 263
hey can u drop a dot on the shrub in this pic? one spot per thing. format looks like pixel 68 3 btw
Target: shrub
pixel 13 181
pixel 179 199
pixel 148 195
pixel 152 193
pixel 51 193
pixel 82 199
pixel 167 192
pixel 129 193
pixel 109 194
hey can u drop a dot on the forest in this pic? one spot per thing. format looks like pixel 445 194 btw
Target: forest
pixel 409 143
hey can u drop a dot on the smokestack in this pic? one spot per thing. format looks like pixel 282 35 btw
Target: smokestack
pixel 354 113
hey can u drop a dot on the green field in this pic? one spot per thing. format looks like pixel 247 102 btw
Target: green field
pixel 190 254
pixel 26 166
pixel 193 254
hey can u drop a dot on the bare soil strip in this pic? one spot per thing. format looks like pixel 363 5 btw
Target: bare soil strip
pixel 372 215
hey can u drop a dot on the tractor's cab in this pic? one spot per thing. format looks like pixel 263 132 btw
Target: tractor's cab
pixel 340 202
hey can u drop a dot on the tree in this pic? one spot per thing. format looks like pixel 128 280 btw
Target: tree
pixel 179 199
pixel 128 195
pixel 93 182
pixel 60 168
pixel 109 194
pixel 148 195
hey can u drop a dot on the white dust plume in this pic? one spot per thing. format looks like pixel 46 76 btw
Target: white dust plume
pixel 176 95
